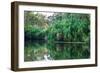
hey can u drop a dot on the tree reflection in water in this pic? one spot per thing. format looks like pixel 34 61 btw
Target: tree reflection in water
pixel 41 50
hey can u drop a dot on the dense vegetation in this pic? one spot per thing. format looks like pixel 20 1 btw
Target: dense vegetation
pixel 58 27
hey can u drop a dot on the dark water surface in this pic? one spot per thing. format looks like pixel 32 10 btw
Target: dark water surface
pixel 40 50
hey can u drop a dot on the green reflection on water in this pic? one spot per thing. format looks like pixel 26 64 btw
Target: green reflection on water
pixel 40 50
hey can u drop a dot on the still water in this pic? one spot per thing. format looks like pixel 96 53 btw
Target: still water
pixel 40 50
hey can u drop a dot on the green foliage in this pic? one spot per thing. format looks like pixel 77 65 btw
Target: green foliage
pixel 34 26
pixel 56 28
pixel 32 33
pixel 60 26
pixel 34 19
pixel 73 26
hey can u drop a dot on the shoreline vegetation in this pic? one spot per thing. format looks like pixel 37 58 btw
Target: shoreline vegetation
pixel 53 35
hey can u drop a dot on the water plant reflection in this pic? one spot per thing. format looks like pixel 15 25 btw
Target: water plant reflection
pixel 41 50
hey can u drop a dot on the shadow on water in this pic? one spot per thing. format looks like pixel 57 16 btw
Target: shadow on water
pixel 41 50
